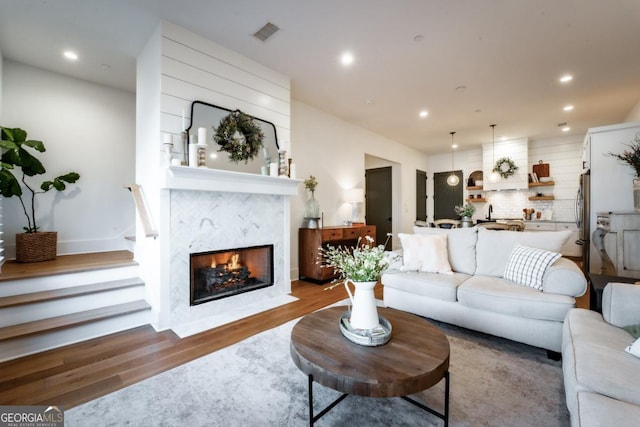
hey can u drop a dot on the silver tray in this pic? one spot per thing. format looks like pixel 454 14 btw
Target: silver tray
pixel 368 337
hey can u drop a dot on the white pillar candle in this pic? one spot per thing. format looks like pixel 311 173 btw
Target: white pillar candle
pixel 202 136
pixel 193 155
pixel 168 138
pixel 292 171
pixel 273 169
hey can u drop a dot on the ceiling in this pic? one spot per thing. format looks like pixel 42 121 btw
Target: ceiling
pixel 470 63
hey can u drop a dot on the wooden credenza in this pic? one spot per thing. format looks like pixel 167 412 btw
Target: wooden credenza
pixel 311 239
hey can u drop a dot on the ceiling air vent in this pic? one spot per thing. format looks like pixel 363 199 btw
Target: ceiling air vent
pixel 267 31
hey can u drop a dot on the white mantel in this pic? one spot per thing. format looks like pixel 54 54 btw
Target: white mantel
pixel 205 179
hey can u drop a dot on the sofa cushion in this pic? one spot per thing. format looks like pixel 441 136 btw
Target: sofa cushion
pixel 501 296
pixel 427 253
pixel 587 326
pixel 595 410
pixel 527 265
pixel 607 370
pixel 462 246
pixel 494 247
pixel 433 285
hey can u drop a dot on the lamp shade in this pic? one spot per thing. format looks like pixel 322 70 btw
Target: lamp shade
pixel 354 195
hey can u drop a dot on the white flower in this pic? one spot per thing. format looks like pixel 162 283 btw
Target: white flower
pixel 362 263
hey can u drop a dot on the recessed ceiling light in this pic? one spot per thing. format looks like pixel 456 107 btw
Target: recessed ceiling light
pixel 454 145
pixel 566 78
pixel 423 114
pixel 566 129
pixel 503 138
pixel 346 59
pixel 568 107
pixel 70 55
pixel 418 38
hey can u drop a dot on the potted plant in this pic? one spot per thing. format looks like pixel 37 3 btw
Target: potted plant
pixel 32 245
pixel 363 266
pixel 466 212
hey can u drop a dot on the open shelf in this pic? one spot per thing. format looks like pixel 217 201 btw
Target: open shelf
pixel 476 200
pixel 541 198
pixel 541 184
pixel 474 187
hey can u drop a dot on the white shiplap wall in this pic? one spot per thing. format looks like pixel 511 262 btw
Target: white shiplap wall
pixel 194 68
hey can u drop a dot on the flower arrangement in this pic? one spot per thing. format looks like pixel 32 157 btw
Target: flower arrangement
pixel 311 183
pixel 631 156
pixel 465 210
pixel 364 263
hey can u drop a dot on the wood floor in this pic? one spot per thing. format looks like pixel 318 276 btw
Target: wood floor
pixel 78 373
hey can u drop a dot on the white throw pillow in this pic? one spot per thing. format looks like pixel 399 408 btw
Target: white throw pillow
pixel 461 245
pixel 527 265
pixel 427 253
pixel 634 348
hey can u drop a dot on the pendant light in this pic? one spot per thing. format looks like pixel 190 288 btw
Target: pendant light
pixel 452 179
pixel 493 177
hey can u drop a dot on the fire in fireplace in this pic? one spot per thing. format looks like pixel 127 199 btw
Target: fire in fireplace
pixel 221 274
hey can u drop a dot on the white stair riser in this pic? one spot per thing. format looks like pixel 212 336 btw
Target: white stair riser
pixel 37 343
pixel 23 286
pixel 44 310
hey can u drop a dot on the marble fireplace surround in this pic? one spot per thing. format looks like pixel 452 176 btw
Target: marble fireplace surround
pixel 211 210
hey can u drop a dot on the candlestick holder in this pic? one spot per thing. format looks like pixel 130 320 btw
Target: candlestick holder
pixel 282 170
pixel 202 156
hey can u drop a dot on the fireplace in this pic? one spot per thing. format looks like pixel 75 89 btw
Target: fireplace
pixel 224 273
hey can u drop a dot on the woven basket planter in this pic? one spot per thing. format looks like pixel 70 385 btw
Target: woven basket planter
pixel 35 247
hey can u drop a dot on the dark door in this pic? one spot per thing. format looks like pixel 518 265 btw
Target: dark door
pixel 378 198
pixel 446 197
pixel 421 195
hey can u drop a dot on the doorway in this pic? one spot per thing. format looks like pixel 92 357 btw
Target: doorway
pixel 421 195
pixel 378 201
pixel 446 197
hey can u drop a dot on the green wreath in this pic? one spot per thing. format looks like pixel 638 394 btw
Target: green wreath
pixel 505 167
pixel 239 136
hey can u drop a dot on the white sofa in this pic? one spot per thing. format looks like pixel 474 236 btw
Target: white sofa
pixel 476 296
pixel 601 380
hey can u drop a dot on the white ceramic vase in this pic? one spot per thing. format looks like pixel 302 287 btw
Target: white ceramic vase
pixel 364 311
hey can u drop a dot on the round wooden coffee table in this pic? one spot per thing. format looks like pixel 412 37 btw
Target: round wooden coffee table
pixel 415 359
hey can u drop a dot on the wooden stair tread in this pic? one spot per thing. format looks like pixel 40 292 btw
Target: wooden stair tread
pixel 60 293
pixel 74 319
pixel 12 270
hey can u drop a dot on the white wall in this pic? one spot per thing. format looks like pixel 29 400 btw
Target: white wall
pixel 564 157
pixel 634 114
pixel 87 128
pixel 334 151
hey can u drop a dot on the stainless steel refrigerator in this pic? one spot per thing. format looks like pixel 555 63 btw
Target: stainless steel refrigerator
pixel 583 216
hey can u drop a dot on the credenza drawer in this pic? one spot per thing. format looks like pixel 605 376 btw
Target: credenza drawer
pixel 329 234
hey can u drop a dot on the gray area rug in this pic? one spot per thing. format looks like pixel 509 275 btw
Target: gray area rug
pixel 494 382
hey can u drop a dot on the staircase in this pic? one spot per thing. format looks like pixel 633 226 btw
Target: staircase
pixel 71 299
